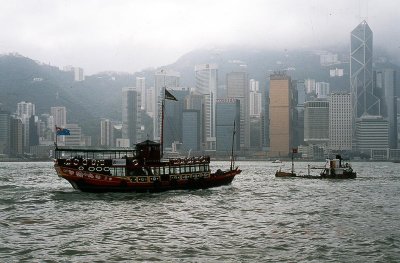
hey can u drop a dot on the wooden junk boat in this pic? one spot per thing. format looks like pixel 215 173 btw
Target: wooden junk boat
pixel 139 169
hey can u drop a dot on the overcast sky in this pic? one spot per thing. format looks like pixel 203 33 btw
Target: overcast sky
pixel 129 35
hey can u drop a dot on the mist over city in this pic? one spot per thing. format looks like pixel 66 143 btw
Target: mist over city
pixel 199 131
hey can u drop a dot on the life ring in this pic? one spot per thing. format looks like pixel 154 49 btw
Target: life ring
pixel 91 169
pixel 80 168
pixel 106 169
pixel 99 169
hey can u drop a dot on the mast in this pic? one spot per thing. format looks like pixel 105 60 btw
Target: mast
pixel 233 142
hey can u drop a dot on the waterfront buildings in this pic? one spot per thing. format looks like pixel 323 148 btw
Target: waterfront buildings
pixel 280 114
pixel 227 112
pixel 316 122
pixel 107 133
pixel 206 82
pixel 237 88
pixel 131 117
pixel 340 122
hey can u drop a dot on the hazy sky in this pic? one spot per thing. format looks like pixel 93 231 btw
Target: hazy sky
pixel 129 35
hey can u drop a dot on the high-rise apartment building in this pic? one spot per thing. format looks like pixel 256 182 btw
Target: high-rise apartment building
pixel 16 137
pixel 131 117
pixel 280 115
pixel 75 137
pixel 107 133
pixel 237 88
pixel 206 82
pixel 25 110
pixel 59 116
pixel 316 122
pixel 340 122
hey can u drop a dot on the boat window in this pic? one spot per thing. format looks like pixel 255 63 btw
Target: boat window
pixel 155 170
pixel 166 170
pixel 174 170
pixel 117 171
pixel 201 168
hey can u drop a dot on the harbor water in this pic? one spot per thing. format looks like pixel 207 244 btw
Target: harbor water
pixel 258 218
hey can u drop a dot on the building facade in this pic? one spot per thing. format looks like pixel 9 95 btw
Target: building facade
pixel 316 122
pixel 227 113
pixel 280 115
pixel 206 83
pixel 131 118
pixel 340 122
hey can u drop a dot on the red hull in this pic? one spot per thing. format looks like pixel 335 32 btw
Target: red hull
pixel 95 182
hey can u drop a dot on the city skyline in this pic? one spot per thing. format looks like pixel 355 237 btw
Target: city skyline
pixel 101 36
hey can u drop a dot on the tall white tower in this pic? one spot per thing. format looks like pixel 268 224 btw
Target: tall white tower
pixel 206 82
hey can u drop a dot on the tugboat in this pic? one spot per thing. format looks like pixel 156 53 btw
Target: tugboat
pixel 334 169
pixel 139 169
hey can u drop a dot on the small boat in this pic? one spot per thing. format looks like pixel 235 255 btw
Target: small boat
pixel 280 173
pixel 335 169
pixel 138 169
pixel 277 161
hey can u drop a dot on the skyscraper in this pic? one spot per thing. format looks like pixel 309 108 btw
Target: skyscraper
pixel 141 87
pixel 163 79
pixel 316 122
pixel 25 110
pixel 131 119
pixel 340 122
pixel 227 112
pixel 106 133
pixel 4 131
pixel 237 88
pixel 255 99
pixel 364 101
pixel 206 81
pixel 280 114
pixel 385 88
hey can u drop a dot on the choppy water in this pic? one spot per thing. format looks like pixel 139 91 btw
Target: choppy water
pixel 259 218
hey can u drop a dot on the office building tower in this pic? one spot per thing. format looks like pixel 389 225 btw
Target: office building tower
pixel 280 115
pixel 227 112
pixel 131 117
pixel 206 81
pixel 237 88
pixel 173 117
pixel 316 122
pixel 385 88
pixel 16 137
pixel 4 132
pixel 340 122
pixel 106 133
pixel 372 132
pixel 364 101
pixel 255 99
pixel 163 78
pixel 141 87
pixel 322 90
pixel 191 130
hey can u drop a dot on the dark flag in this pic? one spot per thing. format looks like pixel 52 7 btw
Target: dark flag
pixel 169 96
pixel 62 131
